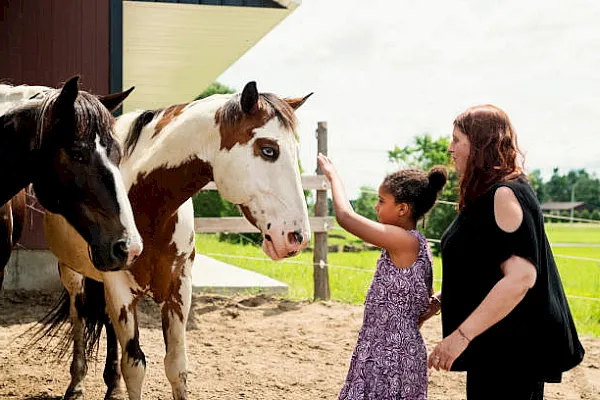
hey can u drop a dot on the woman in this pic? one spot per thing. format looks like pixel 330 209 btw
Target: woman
pixel 505 317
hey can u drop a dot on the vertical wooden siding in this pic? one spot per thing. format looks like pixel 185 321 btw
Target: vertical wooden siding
pixel 45 42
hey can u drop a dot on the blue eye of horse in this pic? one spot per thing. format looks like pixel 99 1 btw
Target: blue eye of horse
pixel 269 152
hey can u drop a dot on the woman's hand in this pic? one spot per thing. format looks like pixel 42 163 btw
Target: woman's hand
pixel 444 354
pixel 326 166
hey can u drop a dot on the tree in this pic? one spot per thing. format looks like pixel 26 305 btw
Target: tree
pixel 536 181
pixel 424 153
pixel 215 88
pixel 365 203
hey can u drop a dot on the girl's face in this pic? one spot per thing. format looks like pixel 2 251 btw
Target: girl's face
pixel 387 209
pixel 460 149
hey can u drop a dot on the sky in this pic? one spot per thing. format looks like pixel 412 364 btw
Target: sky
pixel 385 71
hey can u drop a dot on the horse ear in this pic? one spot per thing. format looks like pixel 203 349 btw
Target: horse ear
pixel 296 102
pixel 68 93
pixel 114 100
pixel 249 98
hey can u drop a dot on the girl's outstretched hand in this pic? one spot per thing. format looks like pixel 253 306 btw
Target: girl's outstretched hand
pixel 326 166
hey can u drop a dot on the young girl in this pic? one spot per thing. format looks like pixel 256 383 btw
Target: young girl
pixel 390 358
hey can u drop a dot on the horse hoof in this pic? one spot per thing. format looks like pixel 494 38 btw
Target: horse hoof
pixel 117 393
pixel 74 395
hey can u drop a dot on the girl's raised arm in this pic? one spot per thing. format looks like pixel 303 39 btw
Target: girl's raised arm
pixel 386 236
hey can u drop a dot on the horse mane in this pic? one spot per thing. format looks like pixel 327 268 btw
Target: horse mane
pixel 90 115
pixel 229 114
pixel 136 130
pixel 268 103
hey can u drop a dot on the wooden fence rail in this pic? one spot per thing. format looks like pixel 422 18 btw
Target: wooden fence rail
pixel 241 225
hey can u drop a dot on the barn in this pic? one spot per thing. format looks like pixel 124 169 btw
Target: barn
pixel 169 50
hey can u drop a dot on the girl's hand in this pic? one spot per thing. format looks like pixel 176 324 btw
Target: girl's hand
pixel 326 166
pixel 444 354
pixel 433 309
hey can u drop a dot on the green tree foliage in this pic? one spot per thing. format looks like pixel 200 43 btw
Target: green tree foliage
pixel 585 214
pixel 424 153
pixel 215 88
pixel 365 203
pixel 580 183
pixel 536 181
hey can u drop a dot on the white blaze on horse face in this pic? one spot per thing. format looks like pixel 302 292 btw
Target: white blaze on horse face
pixel 134 239
pixel 271 190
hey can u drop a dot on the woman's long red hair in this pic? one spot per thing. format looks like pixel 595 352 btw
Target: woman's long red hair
pixel 494 154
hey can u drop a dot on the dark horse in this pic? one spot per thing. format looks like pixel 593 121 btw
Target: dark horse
pixel 61 141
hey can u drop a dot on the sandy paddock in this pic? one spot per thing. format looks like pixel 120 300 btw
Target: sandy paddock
pixel 238 348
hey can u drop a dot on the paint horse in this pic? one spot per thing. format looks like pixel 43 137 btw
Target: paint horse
pixel 246 144
pixel 62 141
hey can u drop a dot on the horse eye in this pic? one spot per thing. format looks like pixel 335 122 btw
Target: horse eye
pixel 269 153
pixel 78 155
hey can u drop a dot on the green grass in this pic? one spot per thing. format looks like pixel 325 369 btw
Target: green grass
pixel 576 233
pixel 350 273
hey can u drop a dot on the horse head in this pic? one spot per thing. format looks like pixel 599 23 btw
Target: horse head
pixel 257 167
pixel 76 159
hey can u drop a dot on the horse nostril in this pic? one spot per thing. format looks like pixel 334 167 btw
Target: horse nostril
pixel 119 250
pixel 296 236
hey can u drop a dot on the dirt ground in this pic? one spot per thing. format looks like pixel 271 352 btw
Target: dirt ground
pixel 238 348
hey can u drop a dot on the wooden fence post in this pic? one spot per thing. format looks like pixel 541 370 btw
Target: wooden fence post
pixel 320 270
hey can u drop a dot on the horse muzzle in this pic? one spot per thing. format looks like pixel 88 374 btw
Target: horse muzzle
pixel 281 243
pixel 116 256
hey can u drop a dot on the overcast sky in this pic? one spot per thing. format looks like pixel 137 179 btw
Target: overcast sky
pixel 384 71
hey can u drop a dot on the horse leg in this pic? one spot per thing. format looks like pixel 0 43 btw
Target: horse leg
pixel 112 369
pixel 74 283
pixel 6 228
pixel 121 307
pixel 175 311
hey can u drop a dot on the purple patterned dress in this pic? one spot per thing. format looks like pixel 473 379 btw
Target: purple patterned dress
pixel 390 358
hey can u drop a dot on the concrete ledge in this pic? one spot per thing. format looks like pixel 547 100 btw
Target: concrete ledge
pixel 38 270
pixel 32 270
pixel 214 276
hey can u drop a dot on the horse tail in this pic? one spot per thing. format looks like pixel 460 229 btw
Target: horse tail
pixel 53 332
pixel 93 311
pixel 19 212
pixel 90 306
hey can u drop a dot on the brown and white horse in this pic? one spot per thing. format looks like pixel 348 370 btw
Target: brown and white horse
pixel 246 144
pixel 61 141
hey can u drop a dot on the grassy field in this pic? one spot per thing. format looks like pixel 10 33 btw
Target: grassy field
pixel 576 233
pixel 350 273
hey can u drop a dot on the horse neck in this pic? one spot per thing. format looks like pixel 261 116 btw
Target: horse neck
pixel 18 136
pixel 168 166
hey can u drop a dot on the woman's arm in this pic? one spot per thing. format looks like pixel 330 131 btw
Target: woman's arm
pixel 519 276
pixel 386 236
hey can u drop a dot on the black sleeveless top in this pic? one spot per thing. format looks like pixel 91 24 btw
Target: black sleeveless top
pixel 538 337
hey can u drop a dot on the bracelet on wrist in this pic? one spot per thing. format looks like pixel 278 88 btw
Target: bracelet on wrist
pixel 461 333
